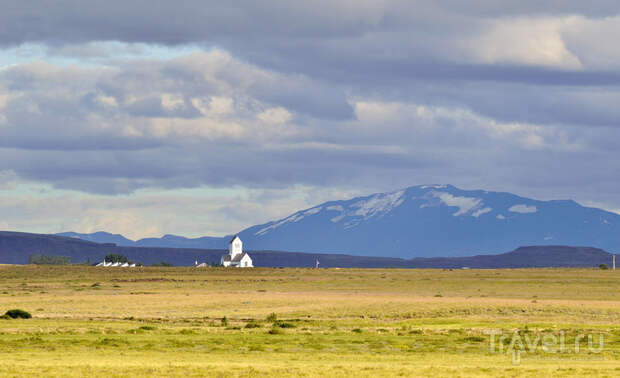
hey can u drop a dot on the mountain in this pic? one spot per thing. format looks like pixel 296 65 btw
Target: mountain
pixel 422 221
pixel 436 220
pixel 169 241
pixel 99 237
pixel 15 248
pixel 523 257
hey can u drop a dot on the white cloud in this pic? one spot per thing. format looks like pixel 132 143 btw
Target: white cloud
pixel 523 209
pixel 171 101
pixel 107 101
pixel 527 40
pixel 275 116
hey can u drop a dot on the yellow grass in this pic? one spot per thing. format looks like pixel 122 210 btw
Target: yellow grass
pixel 342 322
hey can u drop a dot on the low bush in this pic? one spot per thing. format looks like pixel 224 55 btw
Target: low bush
pixel 474 339
pixel 272 317
pixel 18 314
pixel 284 325
pixel 253 325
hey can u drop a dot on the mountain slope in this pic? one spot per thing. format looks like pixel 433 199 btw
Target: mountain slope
pixel 420 221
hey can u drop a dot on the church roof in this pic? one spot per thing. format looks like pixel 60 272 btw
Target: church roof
pixel 238 257
pixel 233 239
pixel 226 257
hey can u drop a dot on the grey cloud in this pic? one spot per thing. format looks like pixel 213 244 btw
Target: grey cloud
pixel 509 122
pixel 161 21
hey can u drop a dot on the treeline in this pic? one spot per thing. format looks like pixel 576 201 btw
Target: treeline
pixel 49 260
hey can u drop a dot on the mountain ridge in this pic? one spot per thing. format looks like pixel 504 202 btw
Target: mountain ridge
pixel 15 248
pixel 420 221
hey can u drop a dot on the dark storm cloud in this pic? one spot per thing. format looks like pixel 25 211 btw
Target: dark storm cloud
pixel 162 21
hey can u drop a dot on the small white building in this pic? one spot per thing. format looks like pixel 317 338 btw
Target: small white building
pixel 236 257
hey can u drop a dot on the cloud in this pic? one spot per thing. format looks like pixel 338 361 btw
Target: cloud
pixel 8 179
pixel 206 212
pixel 346 96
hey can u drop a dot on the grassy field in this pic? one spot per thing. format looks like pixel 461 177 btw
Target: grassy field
pixel 188 322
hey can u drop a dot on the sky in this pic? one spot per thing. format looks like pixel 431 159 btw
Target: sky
pixel 153 117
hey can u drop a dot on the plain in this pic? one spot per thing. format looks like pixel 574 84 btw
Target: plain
pixel 305 322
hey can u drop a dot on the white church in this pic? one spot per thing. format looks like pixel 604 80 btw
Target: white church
pixel 236 257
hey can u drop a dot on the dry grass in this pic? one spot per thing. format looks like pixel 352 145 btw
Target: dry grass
pixel 167 321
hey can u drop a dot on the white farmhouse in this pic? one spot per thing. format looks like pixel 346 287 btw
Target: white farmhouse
pixel 235 256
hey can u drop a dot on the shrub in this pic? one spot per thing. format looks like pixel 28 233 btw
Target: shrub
pixel 603 266
pixel 147 328
pixel 356 330
pixel 15 314
pixel 49 260
pixel 114 258
pixel 272 317
pixel 253 325
pixel 474 339
pixel 224 322
pixel 284 325
pixel 163 263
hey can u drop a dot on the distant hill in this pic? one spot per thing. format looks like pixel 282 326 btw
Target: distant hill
pixel 420 221
pixel 169 241
pixel 15 247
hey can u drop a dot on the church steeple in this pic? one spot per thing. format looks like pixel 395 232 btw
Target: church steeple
pixel 235 247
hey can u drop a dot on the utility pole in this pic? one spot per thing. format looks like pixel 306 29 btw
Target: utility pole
pixel 613 261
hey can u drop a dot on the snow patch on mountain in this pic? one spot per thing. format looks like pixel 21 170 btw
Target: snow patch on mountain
pixel 378 204
pixel 433 186
pixel 465 204
pixel 339 209
pixel 293 218
pixel 367 208
pixel 523 209
pixel 334 208
pixel 480 212
pixel 313 211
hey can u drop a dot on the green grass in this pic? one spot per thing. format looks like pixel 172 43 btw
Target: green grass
pixel 302 322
